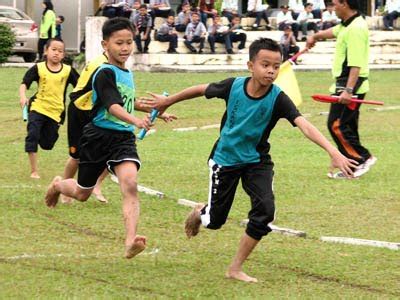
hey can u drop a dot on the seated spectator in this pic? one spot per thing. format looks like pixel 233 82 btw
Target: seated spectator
pixel 392 9
pixel 160 8
pixel 329 17
pixel 288 43
pixel 229 9
pixel 112 8
pixel 318 7
pixel 195 33
pixel 167 33
pixel 143 24
pixel 59 21
pixel 255 9
pixel 128 8
pixel 237 33
pixel 306 20
pixel 192 4
pixel 297 7
pixel 218 33
pixel 207 10
pixel 183 18
pixel 284 18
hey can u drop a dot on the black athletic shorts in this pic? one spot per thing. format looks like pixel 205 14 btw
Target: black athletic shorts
pixel 77 120
pixel 42 131
pixel 101 148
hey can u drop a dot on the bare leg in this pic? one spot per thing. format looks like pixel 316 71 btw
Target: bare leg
pixel 69 172
pixel 70 168
pixel 127 174
pixel 246 246
pixel 97 189
pixel 34 165
pixel 68 187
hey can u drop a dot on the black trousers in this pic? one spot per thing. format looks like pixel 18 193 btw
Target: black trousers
pixel 343 127
pixel 195 39
pixel 41 44
pixel 171 38
pixel 138 40
pixel 257 183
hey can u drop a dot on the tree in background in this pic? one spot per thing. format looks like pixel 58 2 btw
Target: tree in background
pixel 7 41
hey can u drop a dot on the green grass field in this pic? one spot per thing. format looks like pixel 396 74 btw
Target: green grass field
pixel 75 251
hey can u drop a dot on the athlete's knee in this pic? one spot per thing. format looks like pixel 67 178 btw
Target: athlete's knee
pixel 47 145
pixel 128 185
pixel 82 195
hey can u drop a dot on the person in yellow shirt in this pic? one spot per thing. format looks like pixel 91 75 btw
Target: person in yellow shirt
pixel 47 26
pixel 47 106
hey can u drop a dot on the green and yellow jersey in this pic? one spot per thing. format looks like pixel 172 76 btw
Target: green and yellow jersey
pixel 48 25
pixel 49 100
pixel 81 96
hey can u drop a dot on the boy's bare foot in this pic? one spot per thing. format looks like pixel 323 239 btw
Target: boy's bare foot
pixel 239 275
pixel 52 194
pixel 138 245
pixel 193 221
pixel 66 199
pixel 35 175
pixel 99 196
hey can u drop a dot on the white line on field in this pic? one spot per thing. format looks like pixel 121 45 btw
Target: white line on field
pixel 285 231
pixel 395 107
pixel 185 129
pixel 153 251
pixel 361 242
pixel 19 186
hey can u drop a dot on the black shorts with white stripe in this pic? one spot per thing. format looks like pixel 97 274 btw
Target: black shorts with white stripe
pixel 101 148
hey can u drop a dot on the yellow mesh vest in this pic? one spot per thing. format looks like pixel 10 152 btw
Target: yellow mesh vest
pixel 84 102
pixel 49 100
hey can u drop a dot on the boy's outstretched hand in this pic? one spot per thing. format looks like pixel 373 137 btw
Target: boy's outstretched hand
pixel 156 101
pixel 343 163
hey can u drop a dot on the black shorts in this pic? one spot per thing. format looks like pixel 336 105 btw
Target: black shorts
pixel 42 131
pixel 101 148
pixel 256 181
pixel 77 120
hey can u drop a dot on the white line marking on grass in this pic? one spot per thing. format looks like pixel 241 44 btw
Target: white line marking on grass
pixel 281 230
pixel 186 202
pixel 361 242
pixel 20 186
pixel 185 129
pixel 323 113
pixel 395 107
pixel 209 126
pixel 149 191
pixel 151 131
pixel 153 251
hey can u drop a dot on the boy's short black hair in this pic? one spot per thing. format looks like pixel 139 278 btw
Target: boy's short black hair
pixel 263 44
pixel 143 6
pixel 49 41
pixel 353 4
pixel 308 4
pixel 61 18
pixel 116 24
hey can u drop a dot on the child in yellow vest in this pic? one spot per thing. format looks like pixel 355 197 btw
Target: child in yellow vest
pixel 47 106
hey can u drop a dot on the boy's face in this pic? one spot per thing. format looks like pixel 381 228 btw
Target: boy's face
pixel 143 11
pixel 265 66
pixel 309 8
pixel 195 18
pixel 217 20
pixel 171 20
pixel 119 47
pixel 59 21
pixel 330 8
pixel 55 52
pixel 185 8
pixel 235 21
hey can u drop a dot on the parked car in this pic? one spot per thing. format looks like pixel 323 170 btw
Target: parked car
pixel 26 32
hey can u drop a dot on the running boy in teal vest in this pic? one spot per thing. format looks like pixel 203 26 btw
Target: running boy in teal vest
pixel 108 141
pixel 253 107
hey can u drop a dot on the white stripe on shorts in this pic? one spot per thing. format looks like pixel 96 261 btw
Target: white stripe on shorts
pixel 205 219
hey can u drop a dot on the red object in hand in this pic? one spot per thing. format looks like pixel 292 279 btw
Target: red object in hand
pixel 335 99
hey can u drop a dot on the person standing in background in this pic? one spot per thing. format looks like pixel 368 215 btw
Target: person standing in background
pixel 47 26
